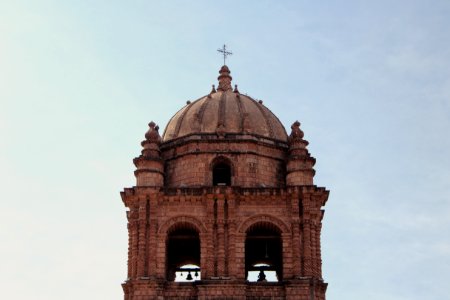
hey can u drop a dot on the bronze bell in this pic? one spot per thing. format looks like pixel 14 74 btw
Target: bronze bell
pixel 261 276
pixel 189 277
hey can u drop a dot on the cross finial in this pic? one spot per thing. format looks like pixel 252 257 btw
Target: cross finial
pixel 224 52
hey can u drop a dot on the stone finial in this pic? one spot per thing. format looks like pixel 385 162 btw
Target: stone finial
pixel 213 90
pixel 224 79
pixel 152 141
pixel 296 133
pixel 152 134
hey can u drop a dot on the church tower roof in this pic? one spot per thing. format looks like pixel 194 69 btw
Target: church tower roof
pixel 223 112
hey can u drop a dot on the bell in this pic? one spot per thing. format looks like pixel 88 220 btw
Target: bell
pixel 261 276
pixel 189 277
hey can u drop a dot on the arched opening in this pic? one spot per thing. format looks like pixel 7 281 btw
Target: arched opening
pixel 183 254
pixel 263 253
pixel 221 173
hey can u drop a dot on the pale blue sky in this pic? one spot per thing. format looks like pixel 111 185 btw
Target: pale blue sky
pixel 368 80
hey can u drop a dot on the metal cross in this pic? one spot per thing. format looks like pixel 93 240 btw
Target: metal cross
pixel 224 53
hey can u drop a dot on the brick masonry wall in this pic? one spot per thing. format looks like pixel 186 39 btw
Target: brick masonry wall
pixel 271 184
pixel 154 211
pixel 253 164
pixel 303 289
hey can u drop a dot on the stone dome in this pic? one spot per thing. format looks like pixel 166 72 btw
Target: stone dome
pixel 225 111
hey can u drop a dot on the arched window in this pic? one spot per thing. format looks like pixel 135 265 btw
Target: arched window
pixel 221 173
pixel 183 254
pixel 263 253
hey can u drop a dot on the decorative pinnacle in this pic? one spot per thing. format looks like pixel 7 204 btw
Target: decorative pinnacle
pixel 224 52
pixel 297 133
pixel 224 79
pixel 152 134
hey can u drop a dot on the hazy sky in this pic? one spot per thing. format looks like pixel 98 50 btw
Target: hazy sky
pixel 368 80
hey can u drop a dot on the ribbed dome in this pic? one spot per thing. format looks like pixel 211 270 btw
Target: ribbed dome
pixel 225 111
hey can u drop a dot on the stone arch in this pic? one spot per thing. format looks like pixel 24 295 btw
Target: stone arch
pixel 264 224
pixel 179 220
pixel 263 218
pixel 221 158
pixel 195 246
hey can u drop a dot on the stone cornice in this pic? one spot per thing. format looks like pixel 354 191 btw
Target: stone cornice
pixel 229 137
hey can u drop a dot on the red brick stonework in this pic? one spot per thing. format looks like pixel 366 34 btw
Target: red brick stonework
pixel 224 197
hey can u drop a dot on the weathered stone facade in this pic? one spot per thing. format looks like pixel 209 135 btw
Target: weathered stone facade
pixel 227 191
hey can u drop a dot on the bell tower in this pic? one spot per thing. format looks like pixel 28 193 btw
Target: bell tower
pixel 225 206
